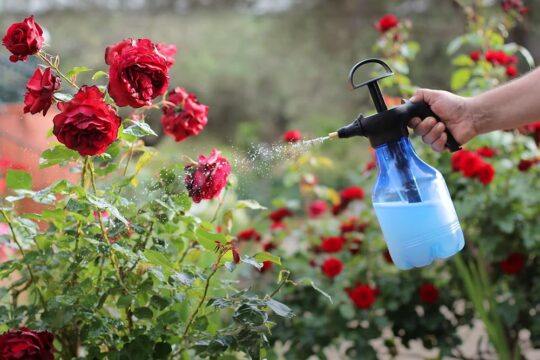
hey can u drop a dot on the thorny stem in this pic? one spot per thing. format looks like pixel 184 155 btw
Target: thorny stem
pixel 44 57
pixel 102 226
pixel 184 254
pixel 31 273
pixel 142 246
pixel 83 173
pixel 283 281
pixel 215 268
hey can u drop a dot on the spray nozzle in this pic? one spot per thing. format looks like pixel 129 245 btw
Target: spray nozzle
pixel 353 129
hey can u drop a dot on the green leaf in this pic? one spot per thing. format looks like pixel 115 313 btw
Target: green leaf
pixel 265 256
pixel 157 258
pixel 249 204
pixel 59 96
pixel 208 239
pixel 463 60
pixel 99 74
pixel 251 261
pixel 280 309
pixel 76 71
pixel 250 315
pixel 139 129
pixel 18 179
pixel 527 55
pixel 104 205
pixel 460 78
pixel 315 287
pixel 143 313
pixel 57 155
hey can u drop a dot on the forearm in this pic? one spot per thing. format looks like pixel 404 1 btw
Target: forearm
pixel 511 105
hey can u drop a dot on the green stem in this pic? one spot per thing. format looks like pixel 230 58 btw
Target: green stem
pixel 130 155
pixel 31 273
pixel 83 173
pixel 221 201
pixel 284 280
pixel 48 61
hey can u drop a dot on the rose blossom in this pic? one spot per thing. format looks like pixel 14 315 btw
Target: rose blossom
pixel 351 193
pixel 187 117
pixel 486 174
pixel 332 267
pixel 292 136
pixel 428 293
pixel 486 152
pixel 23 39
pixel 332 244
pixel 139 71
pixel 86 123
pixel 26 344
pixel 206 179
pixel 249 234
pixel 387 22
pixel 316 208
pixel 279 214
pixel 267 265
pixel 363 296
pixel 40 89
pixel 475 55
pixel 513 263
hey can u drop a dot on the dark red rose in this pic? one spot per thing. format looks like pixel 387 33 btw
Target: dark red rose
pixel 486 174
pixel 267 265
pixel 316 208
pixel 387 22
pixel 332 267
pixel 187 117
pixel 428 293
pixel 86 123
pixel 509 5
pixel 497 57
pixel 525 164
pixel 206 179
pixel 387 257
pixel 475 55
pixel 280 214
pixel 235 253
pixel 513 263
pixel 313 263
pixel 511 71
pixel 23 39
pixel 351 193
pixel 248 234
pixel 26 344
pixel 268 246
pixel 139 71
pixel 363 296
pixel 39 91
pixel 292 136
pixel 337 209
pixel 348 225
pixel 457 159
pixel 534 129
pixel 355 246
pixel 486 152
pixel 471 165
pixel 332 244
pixel 277 225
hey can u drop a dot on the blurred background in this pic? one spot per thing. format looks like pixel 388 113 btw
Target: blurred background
pixel 262 66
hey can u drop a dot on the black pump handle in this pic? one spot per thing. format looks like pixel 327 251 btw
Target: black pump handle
pixel 423 110
pixel 388 73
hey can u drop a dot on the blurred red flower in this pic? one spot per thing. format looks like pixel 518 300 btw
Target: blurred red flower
pixel 317 208
pixel 267 265
pixel 355 246
pixel 292 136
pixel 486 152
pixel 351 193
pixel 475 55
pixel 332 267
pixel 511 71
pixel 363 296
pixel 279 214
pixel 332 244
pixel 248 234
pixel 428 293
pixel 26 344
pixel 268 246
pixel 525 164
pixel 387 22
pixel 513 263
pixel 486 174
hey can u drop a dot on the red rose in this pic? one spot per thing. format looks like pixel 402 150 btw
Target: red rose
pixel 471 165
pixel 363 296
pixel 279 214
pixel 486 152
pixel 332 267
pixel 351 193
pixel 249 234
pixel 316 208
pixel 525 165
pixel 486 174
pixel 348 225
pixel 40 89
pixel 387 22
pixel 457 158
pixel 509 5
pixel 355 246
pixel 337 209
pixel 511 71
pixel 86 123
pixel 513 263
pixel 475 55
pixel 497 57
pixel 428 293
pixel 186 118
pixel 371 165
pixel 2 186
pixel 235 253
pixel 23 39
pixel 139 71
pixel 267 265
pixel 292 136
pixel 268 246
pixel 332 244
pixel 387 257
pixel 206 179
pixel 26 344
pixel 277 225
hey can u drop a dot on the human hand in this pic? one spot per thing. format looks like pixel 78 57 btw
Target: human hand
pixel 452 109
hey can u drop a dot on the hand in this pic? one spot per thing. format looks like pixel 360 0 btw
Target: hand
pixel 453 110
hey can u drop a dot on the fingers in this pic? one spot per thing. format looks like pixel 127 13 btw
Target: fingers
pixel 425 126
pixel 434 134
pixel 440 144
pixel 425 95
pixel 414 122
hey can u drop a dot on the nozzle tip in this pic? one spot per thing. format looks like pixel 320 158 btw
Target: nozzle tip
pixel 333 135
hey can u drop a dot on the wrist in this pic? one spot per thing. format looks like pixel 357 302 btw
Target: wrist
pixel 477 114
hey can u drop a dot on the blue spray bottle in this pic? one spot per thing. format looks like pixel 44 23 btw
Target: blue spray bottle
pixel 411 200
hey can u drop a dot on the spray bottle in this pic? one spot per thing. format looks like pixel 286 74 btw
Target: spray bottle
pixel 411 199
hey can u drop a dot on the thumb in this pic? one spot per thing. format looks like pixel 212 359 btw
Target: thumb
pixel 425 95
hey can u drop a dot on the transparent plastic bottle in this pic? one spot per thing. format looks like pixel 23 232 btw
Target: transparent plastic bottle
pixel 414 209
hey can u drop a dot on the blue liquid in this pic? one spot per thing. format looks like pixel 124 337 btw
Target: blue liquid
pixel 418 233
